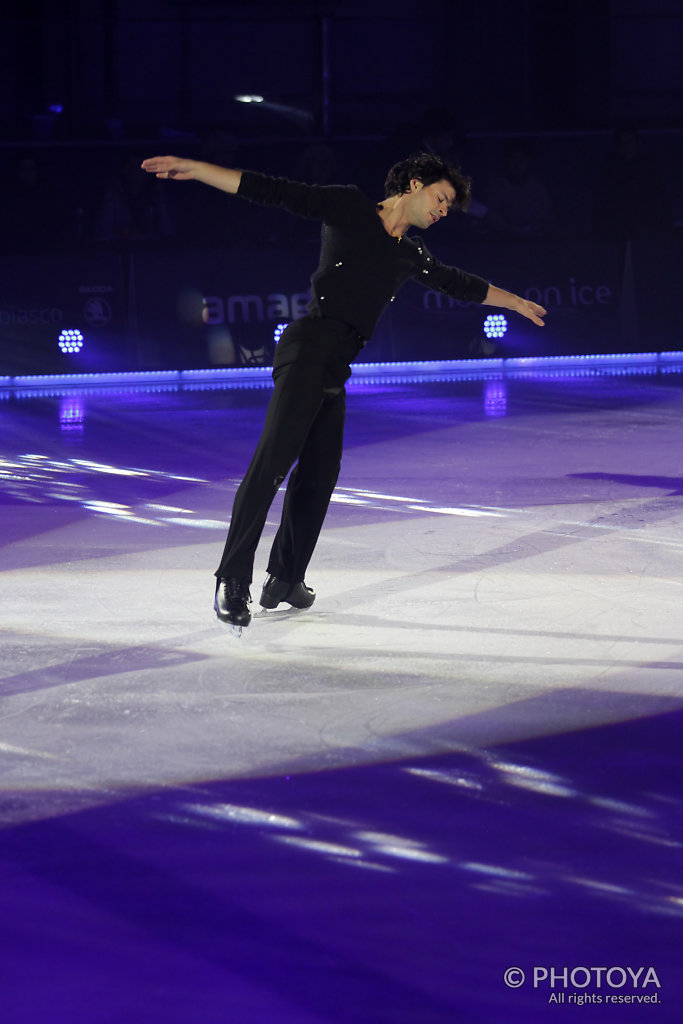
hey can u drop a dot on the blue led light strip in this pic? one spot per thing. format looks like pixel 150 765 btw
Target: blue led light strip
pixel 261 375
pixel 87 379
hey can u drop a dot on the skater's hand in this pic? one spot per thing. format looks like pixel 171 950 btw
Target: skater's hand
pixel 224 178
pixel 170 167
pixel 532 311
pixel 508 300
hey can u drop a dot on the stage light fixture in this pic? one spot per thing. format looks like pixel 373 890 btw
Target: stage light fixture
pixel 70 340
pixel 302 117
pixel 495 325
pixel 277 333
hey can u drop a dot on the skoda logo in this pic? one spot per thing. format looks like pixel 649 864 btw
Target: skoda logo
pixel 97 312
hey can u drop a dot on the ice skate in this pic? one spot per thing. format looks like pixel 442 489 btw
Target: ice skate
pixel 232 602
pixel 298 595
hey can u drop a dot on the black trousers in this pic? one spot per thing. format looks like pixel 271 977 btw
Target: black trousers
pixel 304 424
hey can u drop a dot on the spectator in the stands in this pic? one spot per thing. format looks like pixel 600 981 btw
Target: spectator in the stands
pixel 632 198
pixel 33 211
pixel 133 207
pixel 519 202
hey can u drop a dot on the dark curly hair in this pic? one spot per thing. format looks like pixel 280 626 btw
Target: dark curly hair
pixel 428 168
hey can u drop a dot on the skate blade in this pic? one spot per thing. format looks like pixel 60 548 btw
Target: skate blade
pixel 233 629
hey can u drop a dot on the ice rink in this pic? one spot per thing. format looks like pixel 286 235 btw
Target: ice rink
pixel 465 758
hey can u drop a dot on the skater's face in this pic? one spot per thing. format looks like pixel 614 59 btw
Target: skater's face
pixel 429 203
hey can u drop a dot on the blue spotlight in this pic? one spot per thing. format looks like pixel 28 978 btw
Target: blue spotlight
pixel 70 340
pixel 495 325
pixel 277 333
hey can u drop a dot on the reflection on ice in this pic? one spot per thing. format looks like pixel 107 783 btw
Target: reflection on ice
pixel 447 778
pixel 30 476
pixel 620 807
pixel 495 869
pixel 320 846
pixel 243 815
pixel 609 888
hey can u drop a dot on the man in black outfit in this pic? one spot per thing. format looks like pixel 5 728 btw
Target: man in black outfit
pixel 365 258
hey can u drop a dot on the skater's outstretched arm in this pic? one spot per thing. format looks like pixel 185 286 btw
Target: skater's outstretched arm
pixel 431 273
pixel 315 201
pixel 506 300
pixel 224 178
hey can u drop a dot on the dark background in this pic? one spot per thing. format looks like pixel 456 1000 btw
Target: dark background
pixel 501 65
pixel 88 89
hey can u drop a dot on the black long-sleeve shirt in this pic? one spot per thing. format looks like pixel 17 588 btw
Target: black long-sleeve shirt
pixel 361 266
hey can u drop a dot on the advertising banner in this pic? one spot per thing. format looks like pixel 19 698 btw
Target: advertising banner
pixel 202 308
pixel 44 296
pixel 196 309
pixel 218 308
